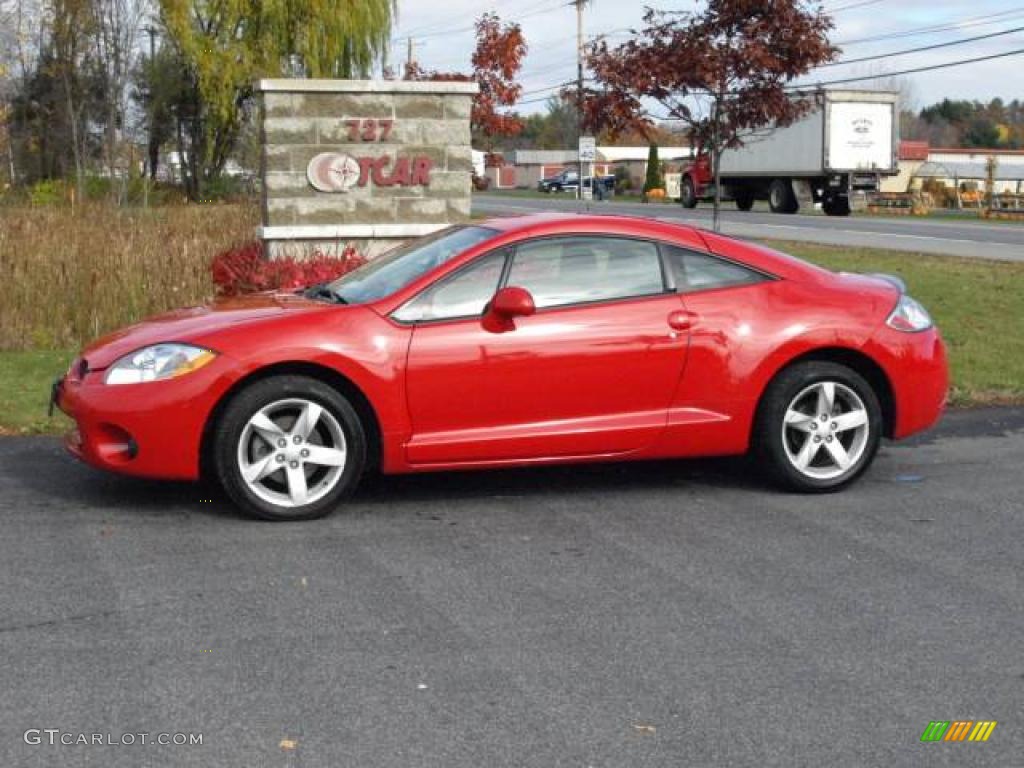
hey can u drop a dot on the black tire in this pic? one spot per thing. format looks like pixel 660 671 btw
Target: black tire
pixel 230 430
pixel 781 198
pixel 836 206
pixel 687 193
pixel 771 450
pixel 744 199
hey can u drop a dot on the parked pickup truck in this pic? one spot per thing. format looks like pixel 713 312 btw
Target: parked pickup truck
pixel 570 180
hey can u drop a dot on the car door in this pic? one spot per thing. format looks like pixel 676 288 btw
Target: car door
pixel 592 372
pixel 731 335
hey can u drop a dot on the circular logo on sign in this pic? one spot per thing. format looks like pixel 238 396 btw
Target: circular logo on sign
pixel 332 172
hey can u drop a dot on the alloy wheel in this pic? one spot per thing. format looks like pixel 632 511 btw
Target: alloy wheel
pixel 825 430
pixel 292 452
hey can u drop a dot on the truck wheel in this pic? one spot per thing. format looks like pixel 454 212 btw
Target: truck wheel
pixel 781 198
pixel 744 199
pixel 688 195
pixel 836 206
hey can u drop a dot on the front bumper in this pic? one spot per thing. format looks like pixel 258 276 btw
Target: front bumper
pixel 148 430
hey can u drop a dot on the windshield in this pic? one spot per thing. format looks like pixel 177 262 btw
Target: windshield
pixel 398 268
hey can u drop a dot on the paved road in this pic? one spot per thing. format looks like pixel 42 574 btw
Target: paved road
pixel 666 614
pixel 972 239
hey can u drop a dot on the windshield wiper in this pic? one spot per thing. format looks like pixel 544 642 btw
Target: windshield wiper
pixel 322 291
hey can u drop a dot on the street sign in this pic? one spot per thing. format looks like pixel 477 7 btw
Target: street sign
pixel 588 149
pixel 587 155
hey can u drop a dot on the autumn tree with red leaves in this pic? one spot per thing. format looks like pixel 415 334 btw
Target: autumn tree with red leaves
pixel 723 71
pixel 496 61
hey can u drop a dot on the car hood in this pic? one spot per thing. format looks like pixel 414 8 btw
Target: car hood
pixel 184 325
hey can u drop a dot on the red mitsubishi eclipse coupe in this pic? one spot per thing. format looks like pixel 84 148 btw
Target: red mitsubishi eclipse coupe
pixel 510 342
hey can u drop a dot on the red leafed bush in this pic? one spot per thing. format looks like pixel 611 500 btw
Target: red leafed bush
pixel 244 269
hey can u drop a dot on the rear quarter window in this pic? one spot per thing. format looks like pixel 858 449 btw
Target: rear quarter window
pixel 695 271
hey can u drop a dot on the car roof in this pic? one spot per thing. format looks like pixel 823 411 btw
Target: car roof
pixel 752 254
pixel 537 223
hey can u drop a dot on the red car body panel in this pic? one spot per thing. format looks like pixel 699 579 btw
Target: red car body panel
pixel 586 382
pixel 613 373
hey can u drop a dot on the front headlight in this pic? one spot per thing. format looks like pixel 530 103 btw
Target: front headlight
pixel 909 316
pixel 158 362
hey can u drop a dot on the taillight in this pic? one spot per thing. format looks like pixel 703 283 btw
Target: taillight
pixel 909 316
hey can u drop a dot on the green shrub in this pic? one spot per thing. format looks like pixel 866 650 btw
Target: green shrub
pixel 97 187
pixel 46 192
pixel 227 189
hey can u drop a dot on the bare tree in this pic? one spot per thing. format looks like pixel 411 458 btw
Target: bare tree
pixel 21 27
pixel 72 26
pixel 116 33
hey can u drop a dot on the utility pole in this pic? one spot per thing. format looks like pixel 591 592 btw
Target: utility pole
pixel 579 95
pixel 408 55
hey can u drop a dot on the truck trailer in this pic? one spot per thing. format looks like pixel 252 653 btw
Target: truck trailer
pixel 844 145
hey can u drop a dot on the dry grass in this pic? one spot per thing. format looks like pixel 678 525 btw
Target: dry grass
pixel 66 277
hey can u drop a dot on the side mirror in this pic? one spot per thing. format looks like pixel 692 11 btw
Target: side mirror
pixel 508 304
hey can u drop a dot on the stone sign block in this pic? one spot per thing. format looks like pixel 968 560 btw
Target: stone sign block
pixel 367 163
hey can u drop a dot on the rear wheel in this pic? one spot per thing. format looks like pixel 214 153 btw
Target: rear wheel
pixel 744 199
pixel 688 194
pixel 781 198
pixel 289 448
pixel 818 427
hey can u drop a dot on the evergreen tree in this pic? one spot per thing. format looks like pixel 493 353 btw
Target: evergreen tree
pixel 653 179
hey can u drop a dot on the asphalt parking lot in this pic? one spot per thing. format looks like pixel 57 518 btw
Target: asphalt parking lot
pixel 664 614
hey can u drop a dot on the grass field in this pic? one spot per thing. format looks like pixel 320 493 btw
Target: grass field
pixel 68 278
pixel 25 379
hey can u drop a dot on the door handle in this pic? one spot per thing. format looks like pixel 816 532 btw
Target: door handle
pixel 681 320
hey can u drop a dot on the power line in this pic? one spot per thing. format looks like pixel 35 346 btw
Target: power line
pixel 439 24
pixel 566 62
pixel 534 101
pixel 861 59
pixel 922 48
pixel 851 6
pixel 882 75
pixel 876 76
pixel 534 10
pixel 547 88
pixel 915 70
pixel 977 21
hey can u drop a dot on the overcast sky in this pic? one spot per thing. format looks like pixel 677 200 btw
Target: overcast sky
pixel 443 39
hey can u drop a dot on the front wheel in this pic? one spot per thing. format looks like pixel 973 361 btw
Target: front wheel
pixel 818 427
pixel 289 448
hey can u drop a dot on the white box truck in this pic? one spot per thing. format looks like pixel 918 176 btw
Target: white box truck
pixel 845 145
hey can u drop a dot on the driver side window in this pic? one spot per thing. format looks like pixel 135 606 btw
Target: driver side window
pixel 464 294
